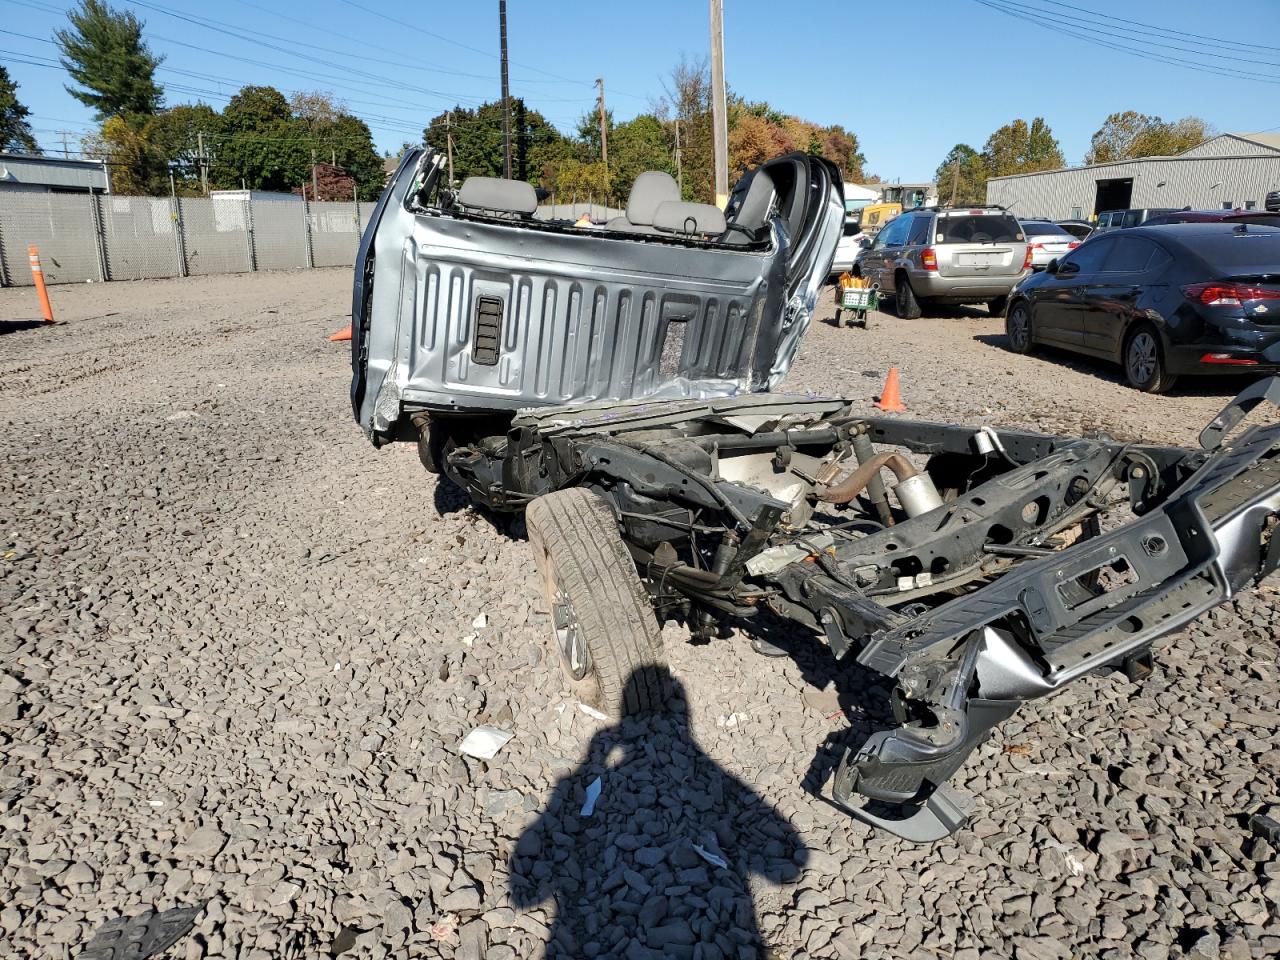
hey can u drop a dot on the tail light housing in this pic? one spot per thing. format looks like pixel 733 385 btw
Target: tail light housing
pixel 1227 359
pixel 1224 293
pixel 929 259
pixel 1073 244
pixel 1026 261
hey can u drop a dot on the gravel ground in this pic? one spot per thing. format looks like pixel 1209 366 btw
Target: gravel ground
pixel 245 646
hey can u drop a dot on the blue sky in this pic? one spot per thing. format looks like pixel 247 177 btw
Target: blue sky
pixel 941 72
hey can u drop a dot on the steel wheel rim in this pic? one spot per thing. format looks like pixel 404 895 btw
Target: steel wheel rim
pixel 1142 357
pixel 1019 327
pixel 569 637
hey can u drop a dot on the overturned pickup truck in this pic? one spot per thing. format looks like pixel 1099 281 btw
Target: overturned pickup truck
pixel 611 382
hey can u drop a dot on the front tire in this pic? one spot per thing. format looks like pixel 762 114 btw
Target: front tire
pixel 1144 364
pixel 905 299
pixel 1017 327
pixel 602 620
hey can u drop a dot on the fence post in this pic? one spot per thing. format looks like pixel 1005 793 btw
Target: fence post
pixel 99 235
pixel 306 229
pixel 179 241
pixel 248 227
pixel 4 271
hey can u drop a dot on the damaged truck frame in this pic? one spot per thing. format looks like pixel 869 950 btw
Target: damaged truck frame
pixel 611 381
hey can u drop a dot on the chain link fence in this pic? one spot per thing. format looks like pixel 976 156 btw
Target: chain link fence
pixel 101 237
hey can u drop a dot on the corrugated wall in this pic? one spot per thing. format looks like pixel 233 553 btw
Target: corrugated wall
pixel 1229 146
pixel 1199 183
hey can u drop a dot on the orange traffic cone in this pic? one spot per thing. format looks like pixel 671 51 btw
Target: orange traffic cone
pixel 343 334
pixel 891 396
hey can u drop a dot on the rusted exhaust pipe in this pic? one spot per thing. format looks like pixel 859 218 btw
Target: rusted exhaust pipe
pixel 856 482
pixel 915 490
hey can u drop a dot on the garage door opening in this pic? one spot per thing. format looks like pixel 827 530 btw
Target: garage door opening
pixel 1113 195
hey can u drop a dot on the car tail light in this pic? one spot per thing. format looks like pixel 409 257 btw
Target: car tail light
pixel 1026 261
pixel 1228 294
pixel 928 259
pixel 1228 360
pixel 1073 244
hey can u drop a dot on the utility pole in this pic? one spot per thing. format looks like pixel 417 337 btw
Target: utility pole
pixel 448 139
pixel 66 153
pixel 719 110
pixel 679 163
pixel 604 129
pixel 506 92
pixel 315 190
pixel 204 169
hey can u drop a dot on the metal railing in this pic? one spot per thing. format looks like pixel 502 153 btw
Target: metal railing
pixel 98 237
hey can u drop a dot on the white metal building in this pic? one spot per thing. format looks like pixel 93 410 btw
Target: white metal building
pixel 1225 172
pixel 22 172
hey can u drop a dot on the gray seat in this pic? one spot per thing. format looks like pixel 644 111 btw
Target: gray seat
pixel 750 213
pixel 498 196
pixel 689 219
pixel 651 189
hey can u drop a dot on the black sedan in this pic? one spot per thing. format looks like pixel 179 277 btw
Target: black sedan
pixel 1162 301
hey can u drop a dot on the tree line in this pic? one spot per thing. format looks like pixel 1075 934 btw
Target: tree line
pixel 1019 147
pixel 674 135
pixel 264 140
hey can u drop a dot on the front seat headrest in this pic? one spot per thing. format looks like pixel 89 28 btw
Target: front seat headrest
pixel 498 195
pixel 653 187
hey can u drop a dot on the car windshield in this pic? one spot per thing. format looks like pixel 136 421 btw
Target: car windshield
pixel 1044 230
pixel 978 228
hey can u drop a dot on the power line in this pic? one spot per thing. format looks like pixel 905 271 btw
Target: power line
pixel 1110 44
pixel 1138 36
pixel 1232 43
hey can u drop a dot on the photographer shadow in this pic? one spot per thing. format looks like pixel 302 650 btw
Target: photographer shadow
pixel 639 876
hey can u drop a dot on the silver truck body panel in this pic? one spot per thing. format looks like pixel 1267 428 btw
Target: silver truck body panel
pixel 577 315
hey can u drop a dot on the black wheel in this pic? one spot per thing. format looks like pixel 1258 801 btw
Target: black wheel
pixel 431 441
pixel 905 299
pixel 996 306
pixel 602 621
pixel 1144 366
pixel 1017 326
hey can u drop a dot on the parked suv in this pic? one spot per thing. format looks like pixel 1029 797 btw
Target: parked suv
pixel 1116 219
pixel 933 255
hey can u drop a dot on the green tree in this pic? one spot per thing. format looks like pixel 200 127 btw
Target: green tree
pixel 1019 148
pixel 15 131
pixel 174 135
pixel 964 174
pixel 260 143
pixel 136 165
pixel 105 54
pixel 346 141
pixel 640 144
pixel 477 140
pixel 1128 135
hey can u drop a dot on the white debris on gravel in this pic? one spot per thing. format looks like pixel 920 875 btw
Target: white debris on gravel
pixel 484 742
pixel 178 593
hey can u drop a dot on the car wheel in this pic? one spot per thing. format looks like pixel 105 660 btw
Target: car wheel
pixel 602 621
pixel 431 447
pixel 1017 326
pixel 996 306
pixel 1144 361
pixel 905 299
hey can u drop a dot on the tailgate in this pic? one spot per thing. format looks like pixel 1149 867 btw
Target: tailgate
pixel 980 260
pixel 978 243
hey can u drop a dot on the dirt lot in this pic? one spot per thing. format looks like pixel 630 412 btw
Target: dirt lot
pixel 245 646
